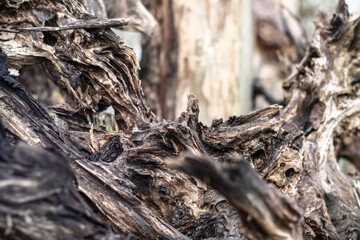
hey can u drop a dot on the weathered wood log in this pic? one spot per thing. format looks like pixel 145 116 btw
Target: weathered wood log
pixel 254 200
pixel 38 199
pixel 28 121
pixel 123 175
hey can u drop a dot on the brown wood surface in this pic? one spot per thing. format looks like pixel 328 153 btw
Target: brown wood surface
pixel 271 174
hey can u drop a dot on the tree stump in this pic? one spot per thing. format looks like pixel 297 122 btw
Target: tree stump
pixel 271 174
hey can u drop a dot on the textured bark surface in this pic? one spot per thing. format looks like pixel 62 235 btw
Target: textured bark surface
pixel 255 201
pixel 145 23
pixel 130 178
pixel 38 199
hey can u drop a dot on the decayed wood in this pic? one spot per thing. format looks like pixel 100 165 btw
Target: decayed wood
pixel 38 199
pixel 255 201
pixel 90 24
pixel 90 89
pixel 324 93
pixel 145 23
pixel 123 176
pixel 29 122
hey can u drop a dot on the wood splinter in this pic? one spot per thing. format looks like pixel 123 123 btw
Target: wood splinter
pixel 91 24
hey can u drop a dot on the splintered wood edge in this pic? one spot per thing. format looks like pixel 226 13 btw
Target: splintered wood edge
pixel 91 24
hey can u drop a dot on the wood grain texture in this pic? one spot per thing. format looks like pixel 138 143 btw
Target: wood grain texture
pixel 123 176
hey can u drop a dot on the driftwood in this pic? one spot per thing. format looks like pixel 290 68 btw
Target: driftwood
pixel 130 178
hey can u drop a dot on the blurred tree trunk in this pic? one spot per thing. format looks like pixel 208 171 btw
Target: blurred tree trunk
pixel 210 56
pixel 165 50
pixel 280 43
pixel 203 51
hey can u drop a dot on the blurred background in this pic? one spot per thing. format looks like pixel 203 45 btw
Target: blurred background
pixel 234 55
